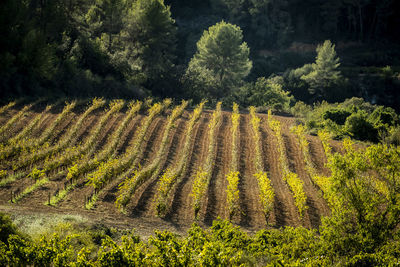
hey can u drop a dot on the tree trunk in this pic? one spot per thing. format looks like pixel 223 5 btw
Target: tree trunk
pixel 374 24
pixel 361 20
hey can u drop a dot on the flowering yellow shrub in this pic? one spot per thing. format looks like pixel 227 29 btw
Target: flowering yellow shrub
pixel 267 193
pixel 296 185
pixel 325 137
pixel 299 131
pixel 255 122
pixel 164 186
pixel 232 190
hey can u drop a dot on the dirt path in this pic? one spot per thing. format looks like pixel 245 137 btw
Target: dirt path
pixel 144 227
pixel 251 214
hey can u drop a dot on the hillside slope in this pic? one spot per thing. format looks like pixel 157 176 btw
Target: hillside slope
pixel 17 176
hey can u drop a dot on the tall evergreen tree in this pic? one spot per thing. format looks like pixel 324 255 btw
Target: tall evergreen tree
pixel 26 57
pixel 149 42
pixel 222 59
pixel 324 75
pixel 270 22
pixel 105 20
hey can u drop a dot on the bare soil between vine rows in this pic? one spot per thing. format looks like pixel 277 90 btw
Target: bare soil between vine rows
pixel 141 212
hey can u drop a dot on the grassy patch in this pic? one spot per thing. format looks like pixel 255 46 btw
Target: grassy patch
pixel 39 224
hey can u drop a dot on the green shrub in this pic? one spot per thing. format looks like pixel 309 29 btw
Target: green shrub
pixel 356 103
pixel 394 137
pixel 338 116
pixel 358 126
pixel 366 259
pixel 7 228
pixel 384 115
pixel 265 92
pixel 300 109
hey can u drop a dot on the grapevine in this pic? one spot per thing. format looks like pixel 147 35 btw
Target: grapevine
pixel 267 194
pixel 294 182
pixel 128 187
pixel 232 191
pixel 169 178
pixel 203 174
pixel 68 140
pixel 116 167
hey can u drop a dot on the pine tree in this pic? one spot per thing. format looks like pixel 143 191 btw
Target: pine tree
pixel 325 74
pixel 149 39
pixel 222 59
pixel 104 19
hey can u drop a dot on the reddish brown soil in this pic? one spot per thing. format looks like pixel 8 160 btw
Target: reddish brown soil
pixel 81 192
pixel 317 154
pixel 141 203
pixel 216 197
pixel 74 198
pixel 109 194
pixel 141 211
pixel 316 206
pixel 127 136
pixel 285 211
pixel 9 113
pixel 251 212
pixel 181 206
pixel 21 123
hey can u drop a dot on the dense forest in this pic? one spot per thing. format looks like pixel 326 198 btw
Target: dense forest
pixel 231 50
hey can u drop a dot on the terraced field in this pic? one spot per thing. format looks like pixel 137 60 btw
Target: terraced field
pixel 158 164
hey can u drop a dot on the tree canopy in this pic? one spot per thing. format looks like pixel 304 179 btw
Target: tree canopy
pixel 150 41
pixel 222 59
pixel 324 74
pixel 265 92
pixel 136 48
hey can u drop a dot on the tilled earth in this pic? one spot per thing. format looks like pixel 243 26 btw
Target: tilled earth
pixel 141 209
